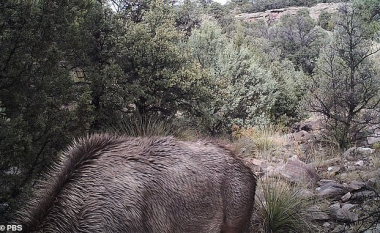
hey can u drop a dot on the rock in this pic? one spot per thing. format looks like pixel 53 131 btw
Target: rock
pixel 344 215
pixel 333 170
pixel 334 206
pixel 357 152
pixel 315 213
pixel 330 162
pixel 348 206
pixel 338 229
pixel 365 151
pixel 346 197
pixel 322 182
pixel 375 229
pixel 331 190
pixel 355 185
pixel 276 14
pixel 373 139
pixel 326 225
pixel 371 183
pixel 359 163
pixel 301 136
pixel 362 195
pixel 297 171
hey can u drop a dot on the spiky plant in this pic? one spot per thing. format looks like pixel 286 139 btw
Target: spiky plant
pixel 280 208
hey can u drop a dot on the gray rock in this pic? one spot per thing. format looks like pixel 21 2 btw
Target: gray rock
pixel 365 151
pixel 326 225
pixel 344 215
pixel 375 229
pixel 331 190
pixel 357 152
pixel 338 229
pixel 348 206
pixel 315 213
pixel 297 171
pixel 356 185
pixel 373 139
pixel 335 206
pixel 359 163
pixel 346 197
pixel 371 183
pixel 333 170
pixel 301 136
pixel 362 195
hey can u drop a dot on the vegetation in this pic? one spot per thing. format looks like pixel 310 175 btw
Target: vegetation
pixel 345 86
pixel 281 208
pixel 70 68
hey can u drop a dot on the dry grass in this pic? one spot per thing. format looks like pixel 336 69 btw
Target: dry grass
pixel 264 142
pixel 280 207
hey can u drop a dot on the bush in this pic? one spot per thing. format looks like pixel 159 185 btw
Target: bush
pixel 280 208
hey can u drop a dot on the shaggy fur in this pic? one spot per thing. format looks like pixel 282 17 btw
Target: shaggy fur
pixel 113 184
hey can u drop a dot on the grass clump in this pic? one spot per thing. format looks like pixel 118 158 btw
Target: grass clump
pixel 260 141
pixel 281 208
pixel 142 126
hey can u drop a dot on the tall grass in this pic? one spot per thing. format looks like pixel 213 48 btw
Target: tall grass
pixel 260 141
pixel 281 207
pixel 143 126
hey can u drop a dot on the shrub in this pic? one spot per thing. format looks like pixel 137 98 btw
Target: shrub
pixel 281 207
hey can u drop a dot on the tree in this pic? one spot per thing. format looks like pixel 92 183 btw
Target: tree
pixel 299 40
pixel 36 90
pixel 188 16
pixel 241 91
pixel 289 93
pixel 157 73
pixel 345 88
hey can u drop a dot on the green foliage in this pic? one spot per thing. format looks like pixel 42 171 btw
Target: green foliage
pixel 290 92
pixel 244 92
pixel 157 72
pixel 345 87
pixel 281 208
pixel 369 12
pixel 325 21
pixel 299 39
pixel 188 16
pixel 36 90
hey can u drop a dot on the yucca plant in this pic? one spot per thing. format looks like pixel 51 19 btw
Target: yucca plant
pixel 281 208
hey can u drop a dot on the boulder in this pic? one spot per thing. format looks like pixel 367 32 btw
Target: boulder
pixel 297 171
pixel 362 195
pixel 301 136
pixel 342 214
pixel 315 213
pixel 332 171
pixel 357 152
pixel 375 137
pixel 331 190
pixel 346 197
pixel 355 185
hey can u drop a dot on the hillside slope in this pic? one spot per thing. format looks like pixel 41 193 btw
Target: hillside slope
pixel 275 14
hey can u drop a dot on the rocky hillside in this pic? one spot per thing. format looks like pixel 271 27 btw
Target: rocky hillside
pixel 275 14
pixel 344 185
